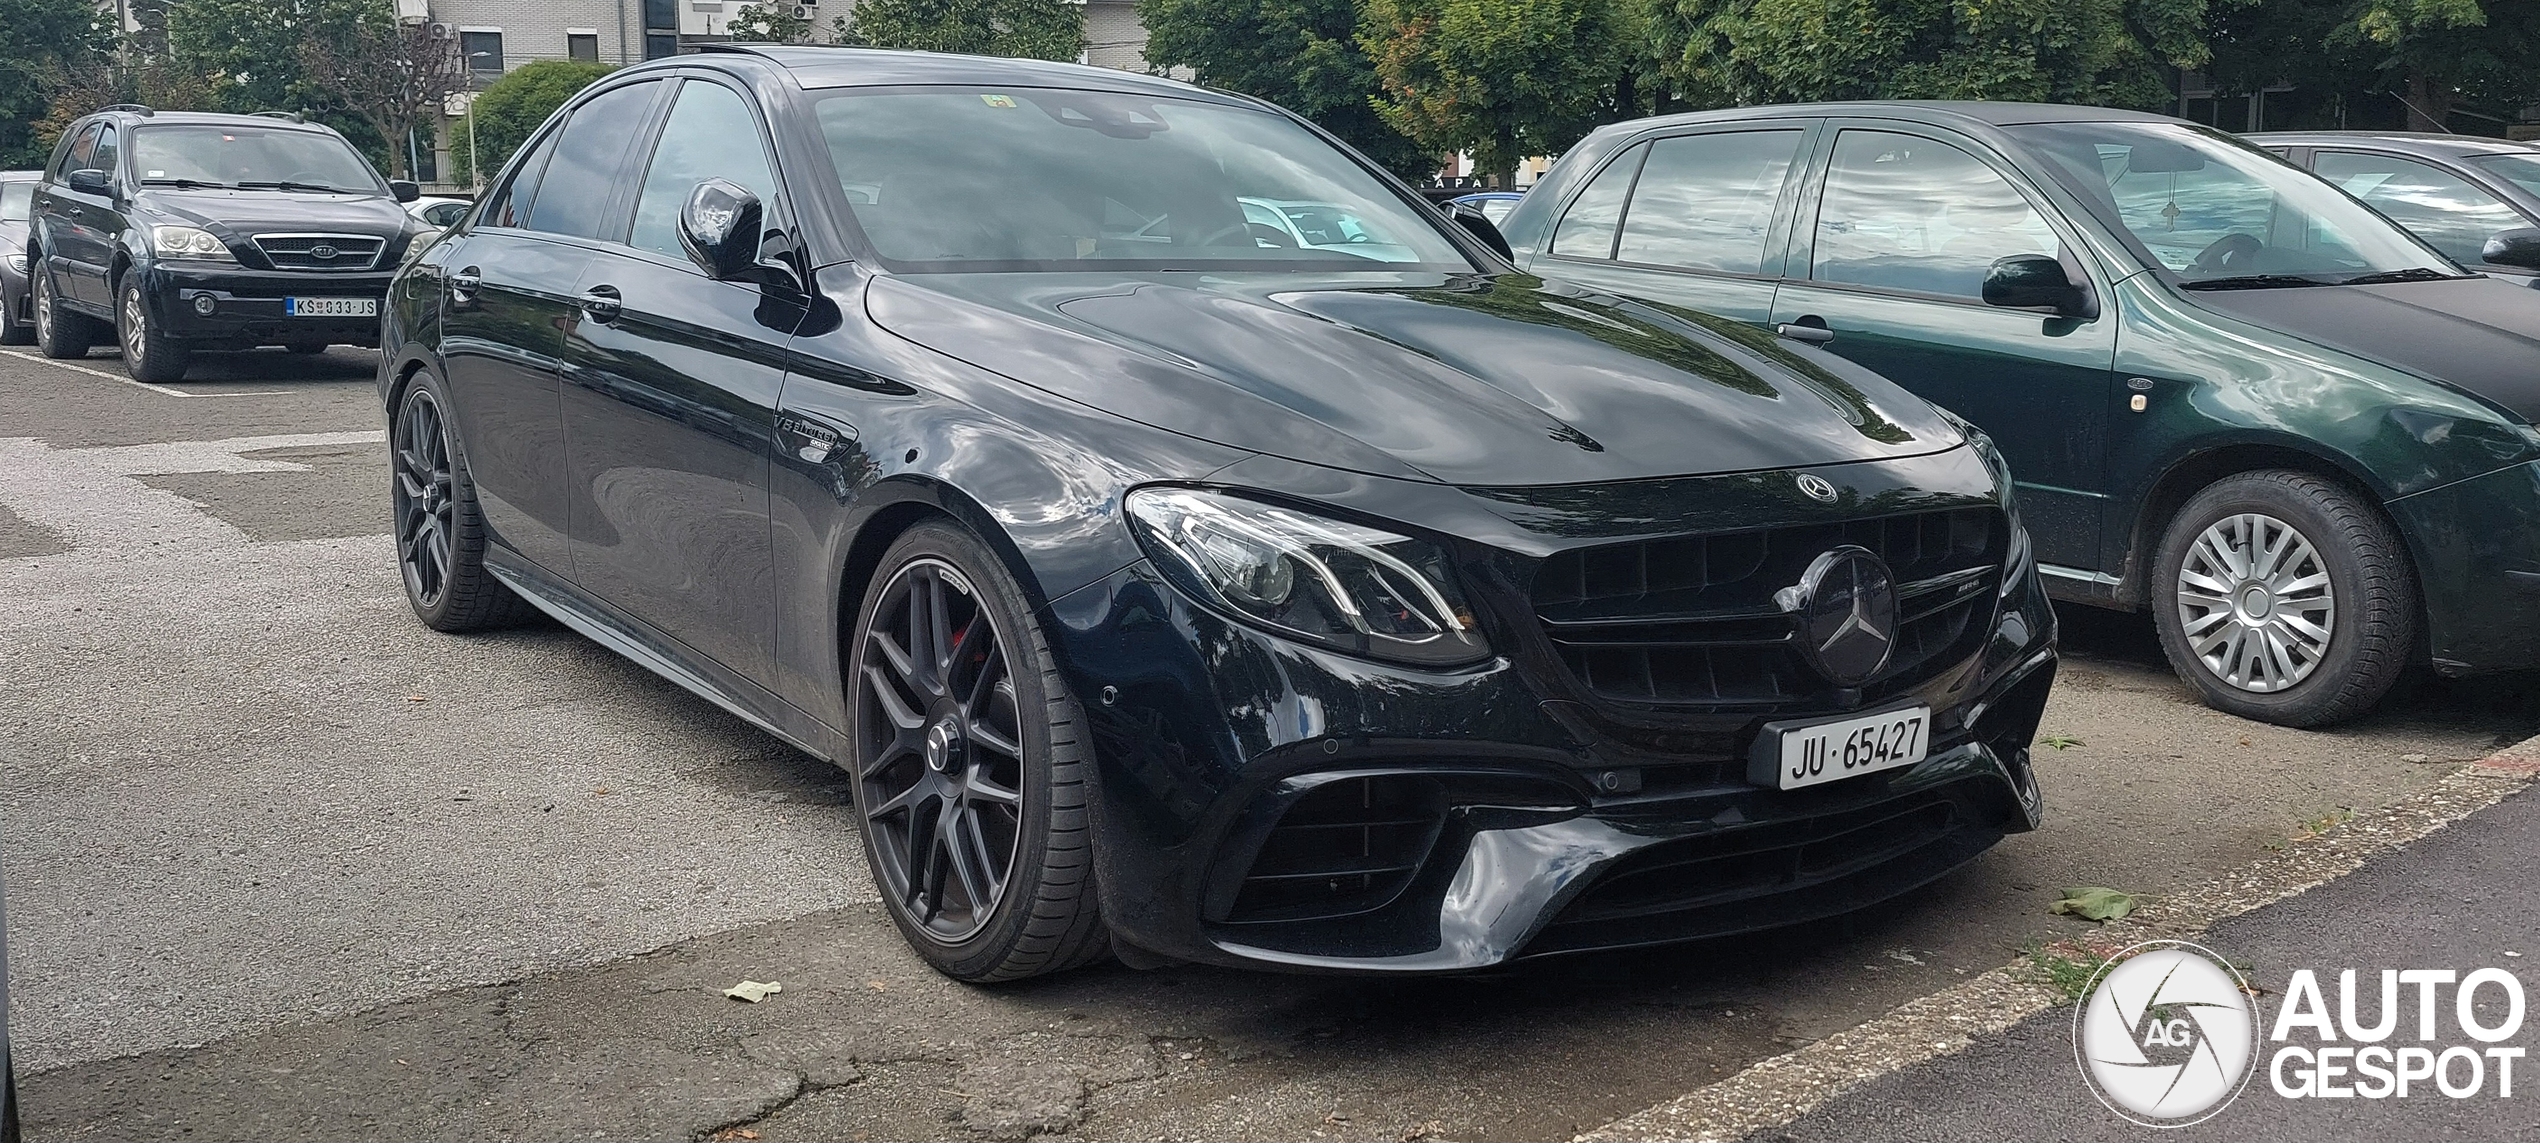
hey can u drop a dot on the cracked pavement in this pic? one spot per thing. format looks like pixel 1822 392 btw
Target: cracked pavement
pixel 282 864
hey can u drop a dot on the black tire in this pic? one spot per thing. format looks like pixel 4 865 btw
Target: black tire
pixel 439 530
pixel 305 348
pixel 13 331
pixel 1044 917
pixel 2367 592
pixel 148 355
pixel 59 333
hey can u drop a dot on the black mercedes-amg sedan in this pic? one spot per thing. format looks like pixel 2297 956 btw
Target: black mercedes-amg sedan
pixel 1322 593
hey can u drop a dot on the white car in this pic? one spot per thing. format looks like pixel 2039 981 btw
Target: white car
pixel 441 212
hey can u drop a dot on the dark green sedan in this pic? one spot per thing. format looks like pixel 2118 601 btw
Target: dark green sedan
pixel 2229 393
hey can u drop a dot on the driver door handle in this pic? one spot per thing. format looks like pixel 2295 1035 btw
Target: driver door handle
pixel 603 303
pixel 1800 331
pixel 463 285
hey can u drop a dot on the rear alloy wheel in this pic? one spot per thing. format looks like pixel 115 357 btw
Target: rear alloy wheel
pixel 58 332
pixel 440 534
pixel 2285 598
pixel 148 355
pixel 970 767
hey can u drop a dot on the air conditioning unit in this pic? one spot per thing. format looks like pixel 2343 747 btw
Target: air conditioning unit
pixel 444 32
pixel 802 11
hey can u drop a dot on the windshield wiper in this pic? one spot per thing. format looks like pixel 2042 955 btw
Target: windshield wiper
pixel 2252 282
pixel 189 184
pixel 287 184
pixel 2411 274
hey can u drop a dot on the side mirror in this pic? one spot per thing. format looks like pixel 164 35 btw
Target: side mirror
pixel 719 228
pixel 405 191
pixel 2518 248
pixel 1480 226
pixel 2036 282
pixel 90 181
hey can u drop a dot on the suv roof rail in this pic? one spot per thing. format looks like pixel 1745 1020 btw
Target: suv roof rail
pixel 141 109
pixel 293 116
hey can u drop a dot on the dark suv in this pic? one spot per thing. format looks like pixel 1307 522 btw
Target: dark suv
pixel 174 232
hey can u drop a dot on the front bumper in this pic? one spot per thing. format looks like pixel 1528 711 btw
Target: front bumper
pixel 2478 558
pixel 247 305
pixel 1541 825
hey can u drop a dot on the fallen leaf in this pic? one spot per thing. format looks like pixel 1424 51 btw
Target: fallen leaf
pixel 751 991
pixel 417 698
pixel 600 790
pixel 2094 902
pixel 1335 1119
pixel 877 986
pixel 2062 742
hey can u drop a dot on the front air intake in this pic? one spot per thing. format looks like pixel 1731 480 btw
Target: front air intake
pixel 1349 846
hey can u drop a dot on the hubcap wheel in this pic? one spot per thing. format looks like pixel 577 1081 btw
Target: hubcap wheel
pixel 133 335
pixel 939 754
pixel 2255 602
pixel 43 306
pixel 421 499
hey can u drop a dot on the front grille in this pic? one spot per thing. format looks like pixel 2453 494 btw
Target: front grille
pixel 1349 846
pixel 320 251
pixel 1691 619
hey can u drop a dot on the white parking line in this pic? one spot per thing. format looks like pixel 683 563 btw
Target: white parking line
pixel 130 381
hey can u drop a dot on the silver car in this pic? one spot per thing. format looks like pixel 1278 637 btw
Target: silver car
pixel 17 192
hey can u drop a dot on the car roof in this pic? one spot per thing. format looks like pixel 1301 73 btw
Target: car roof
pixel 1490 194
pixel 1933 111
pixel 824 66
pixel 20 176
pixel 2414 142
pixel 211 118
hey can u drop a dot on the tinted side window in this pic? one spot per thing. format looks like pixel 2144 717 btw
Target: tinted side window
pixel 2434 204
pixel 107 153
pixel 1903 212
pixel 573 192
pixel 509 204
pixel 1706 201
pixel 711 134
pixel 1587 229
pixel 84 150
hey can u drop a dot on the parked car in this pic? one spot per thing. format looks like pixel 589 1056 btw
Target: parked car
pixel 2459 193
pixel 2230 394
pixel 17 194
pixel 175 232
pixel 1258 605
pixel 438 211
pixel 1494 205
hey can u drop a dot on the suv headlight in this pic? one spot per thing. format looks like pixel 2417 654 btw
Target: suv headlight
pixel 1345 586
pixel 17 263
pixel 188 242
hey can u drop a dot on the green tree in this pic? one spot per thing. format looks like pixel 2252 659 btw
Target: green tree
pixel 513 106
pixel 1028 29
pixel 1300 54
pixel 1500 78
pixel 2430 66
pixel 44 46
pixel 769 24
pixel 1721 53
pixel 394 75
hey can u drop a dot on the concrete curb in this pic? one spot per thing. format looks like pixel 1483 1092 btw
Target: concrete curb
pixel 1776 1091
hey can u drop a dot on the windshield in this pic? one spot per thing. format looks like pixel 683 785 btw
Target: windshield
pixel 1025 179
pixel 2219 213
pixel 15 201
pixel 250 157
pixel 2520 170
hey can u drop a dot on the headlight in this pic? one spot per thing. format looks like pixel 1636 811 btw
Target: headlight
pixel 1345 586
pixel 17 263
pixel 188 242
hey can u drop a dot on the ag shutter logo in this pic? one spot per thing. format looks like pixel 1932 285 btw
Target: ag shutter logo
pixel 2166 1035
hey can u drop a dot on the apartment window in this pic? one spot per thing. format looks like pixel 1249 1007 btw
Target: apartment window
pixel 660 44
pixel 582 45
pixel 661 28
pixel 483 49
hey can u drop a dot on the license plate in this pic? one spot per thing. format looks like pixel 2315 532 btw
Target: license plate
pixel 331 307
pixel 1812 753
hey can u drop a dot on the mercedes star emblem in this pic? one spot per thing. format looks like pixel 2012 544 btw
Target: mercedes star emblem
pixel 1817 487
pixel 1846 608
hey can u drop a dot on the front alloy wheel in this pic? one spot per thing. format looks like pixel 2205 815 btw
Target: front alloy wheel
pixel 148 355
pixel 2285 597
pixel 970 766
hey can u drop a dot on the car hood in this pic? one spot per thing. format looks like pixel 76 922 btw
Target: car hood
pixel 1500 380
pixel 240 213
pixel 2478 335
pixel 12 237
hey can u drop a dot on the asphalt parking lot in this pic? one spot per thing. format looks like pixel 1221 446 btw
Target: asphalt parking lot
pixel 282 863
